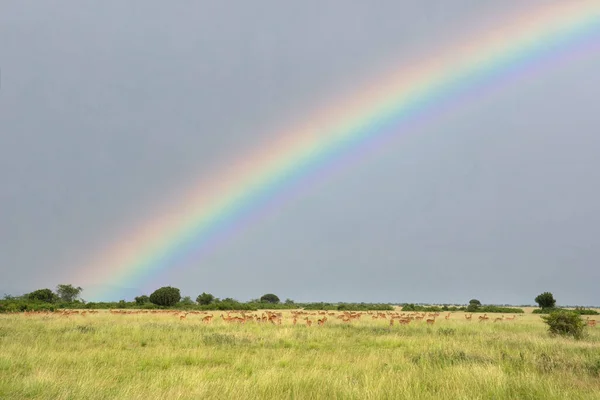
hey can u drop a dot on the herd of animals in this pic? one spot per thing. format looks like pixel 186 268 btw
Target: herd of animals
pixel 276 318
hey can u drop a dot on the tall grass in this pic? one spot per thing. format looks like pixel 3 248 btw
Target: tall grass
pixel 149 356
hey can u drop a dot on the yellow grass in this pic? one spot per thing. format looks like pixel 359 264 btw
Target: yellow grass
pixel 159 356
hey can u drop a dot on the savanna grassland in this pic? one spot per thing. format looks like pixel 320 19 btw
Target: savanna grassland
pixel 161 356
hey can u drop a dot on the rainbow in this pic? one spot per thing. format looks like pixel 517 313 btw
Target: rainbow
pixel 238 194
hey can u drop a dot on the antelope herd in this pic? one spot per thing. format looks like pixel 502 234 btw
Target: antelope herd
pixel 277 318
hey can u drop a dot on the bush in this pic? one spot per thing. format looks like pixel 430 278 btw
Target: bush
pixel 498 309
pixel 472 308
pixel 45 295
pixel 578 310
pixel 141 300
pixel 205 299
pixel 166 296
pixel 565 323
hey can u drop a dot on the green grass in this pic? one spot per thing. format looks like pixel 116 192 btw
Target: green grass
pixel 158 356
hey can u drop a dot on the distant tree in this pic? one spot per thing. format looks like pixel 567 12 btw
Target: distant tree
pixel 68 293
pixel 141 300
pixel 289 301
pixel 269 298
pixel 474 305
pixel 545 300
pixel 205 299
pixel 166 296
pixel 187 301
pixel 45 295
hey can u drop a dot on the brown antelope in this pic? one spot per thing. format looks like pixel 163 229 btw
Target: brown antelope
pixel 498 319
pixel 322 321
pixel 308 321
pixel 182 317
pixel 447 316
pixel 591 322
pixel 468 317
pixel 430 321
pixel 207 319
pixel 483 318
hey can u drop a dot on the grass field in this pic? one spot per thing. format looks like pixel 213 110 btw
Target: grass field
pixel 155 356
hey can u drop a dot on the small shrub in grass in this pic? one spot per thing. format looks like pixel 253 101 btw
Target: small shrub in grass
pixel 565 323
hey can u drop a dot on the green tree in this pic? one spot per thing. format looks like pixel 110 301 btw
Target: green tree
pixel 68 293
pixel 289 301
pixel 546 300
pixel 205 299
pixel 474 305
pixel 166 296
pixel 565 323
pixel 269 298
pixel 141 300
pixel 45 295
pixel 187 301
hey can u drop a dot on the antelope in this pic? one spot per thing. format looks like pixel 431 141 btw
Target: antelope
pixel 468 317
pixel 207 319
pixel 430 321
pixel 498 319
pixel 308 321
pixel 322 321
pixel 447 316
pixel 591 322
pixel 483 318
pixel 182 317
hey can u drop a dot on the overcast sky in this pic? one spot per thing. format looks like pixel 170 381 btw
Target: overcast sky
pixel 110 109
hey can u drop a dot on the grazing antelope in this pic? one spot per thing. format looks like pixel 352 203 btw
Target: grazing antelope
pixel 447 316
pixel 430 321
pixel 207 319
pixel 182 317
pixel 499 319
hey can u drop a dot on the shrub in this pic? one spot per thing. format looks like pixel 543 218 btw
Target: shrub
pixel 472 308
pixel 578 310
pixel 141 300
pixel 565 323
pixel 45 295
pixel 205 299
pixel 166 296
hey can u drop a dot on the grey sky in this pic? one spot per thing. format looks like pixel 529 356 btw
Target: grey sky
pixel 109 109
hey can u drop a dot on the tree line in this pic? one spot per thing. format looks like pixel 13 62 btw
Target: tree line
pixel 69 296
